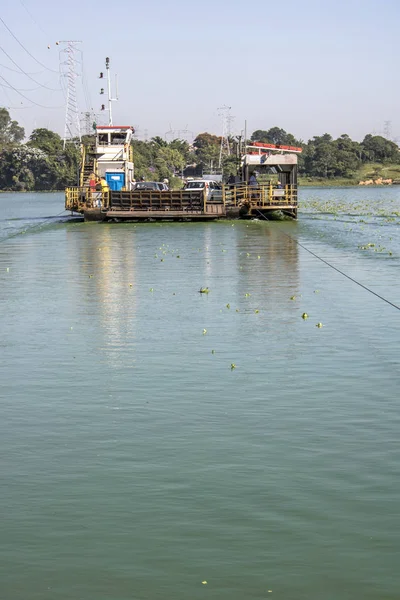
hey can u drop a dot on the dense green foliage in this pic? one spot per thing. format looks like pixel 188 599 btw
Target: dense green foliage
pixel 10 131
pixel 43 164
pixel 40 164
pixel 325 157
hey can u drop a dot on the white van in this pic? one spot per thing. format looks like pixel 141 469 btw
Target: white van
pixel 213 188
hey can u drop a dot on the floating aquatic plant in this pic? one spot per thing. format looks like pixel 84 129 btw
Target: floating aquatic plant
pixel 204 290
pixel 304 316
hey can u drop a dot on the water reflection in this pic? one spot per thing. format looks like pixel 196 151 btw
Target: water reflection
pixel 107 265
pixel 253 265
pixel 268 261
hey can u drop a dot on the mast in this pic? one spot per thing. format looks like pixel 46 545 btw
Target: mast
pixel 109 91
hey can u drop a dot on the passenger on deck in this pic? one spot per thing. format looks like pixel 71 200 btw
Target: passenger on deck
pixel 253 180
pixel 104 185
pixel 104 188
pixel 279 186
pixel 253 184
pixel 231 181
pixel 92 182
pixel 96 194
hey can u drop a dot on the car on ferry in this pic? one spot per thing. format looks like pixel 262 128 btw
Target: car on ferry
pixel 157 186
pixel 213 188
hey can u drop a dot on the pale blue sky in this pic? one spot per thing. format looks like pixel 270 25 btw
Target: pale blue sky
pixel 309 67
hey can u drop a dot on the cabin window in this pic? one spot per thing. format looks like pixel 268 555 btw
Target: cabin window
pixel 103 139
pixel 118 139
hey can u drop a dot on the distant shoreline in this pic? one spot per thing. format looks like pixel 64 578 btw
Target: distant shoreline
pixel 303 182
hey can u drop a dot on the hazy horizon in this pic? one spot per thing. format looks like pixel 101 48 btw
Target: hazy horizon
pixel 307 68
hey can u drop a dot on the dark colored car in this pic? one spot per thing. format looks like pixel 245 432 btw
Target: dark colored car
pixel 151 185
pixel 146 185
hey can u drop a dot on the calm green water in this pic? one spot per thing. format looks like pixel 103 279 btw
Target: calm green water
pixel 135 463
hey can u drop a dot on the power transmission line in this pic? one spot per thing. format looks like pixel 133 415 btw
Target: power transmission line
pixel 23 89
pixel 26 50
pixel 19 70
pixel 26 98
pixel 33 19
pixel 29 77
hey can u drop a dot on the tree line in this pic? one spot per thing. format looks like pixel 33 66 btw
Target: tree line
pixel 42 162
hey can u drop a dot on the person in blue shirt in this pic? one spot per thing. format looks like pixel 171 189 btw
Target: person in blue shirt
pixel 253 180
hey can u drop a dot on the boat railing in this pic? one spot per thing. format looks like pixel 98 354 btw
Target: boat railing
pixel 261 196
pixel 155 200
pixel 79 199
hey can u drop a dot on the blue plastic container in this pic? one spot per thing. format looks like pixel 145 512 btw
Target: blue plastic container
pixel 115 181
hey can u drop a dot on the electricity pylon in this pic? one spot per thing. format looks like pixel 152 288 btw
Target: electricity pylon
pixel 224 113
pixel 70 69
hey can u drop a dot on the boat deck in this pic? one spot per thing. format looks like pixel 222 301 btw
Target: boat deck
pixel 238 201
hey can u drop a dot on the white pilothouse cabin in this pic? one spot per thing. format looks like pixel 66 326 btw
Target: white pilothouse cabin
pixel 112 156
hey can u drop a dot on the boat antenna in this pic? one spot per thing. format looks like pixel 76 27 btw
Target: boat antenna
pixel 110 99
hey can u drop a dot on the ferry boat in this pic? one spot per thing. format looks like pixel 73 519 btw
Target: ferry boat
pixel 110 157
pixel 106 190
